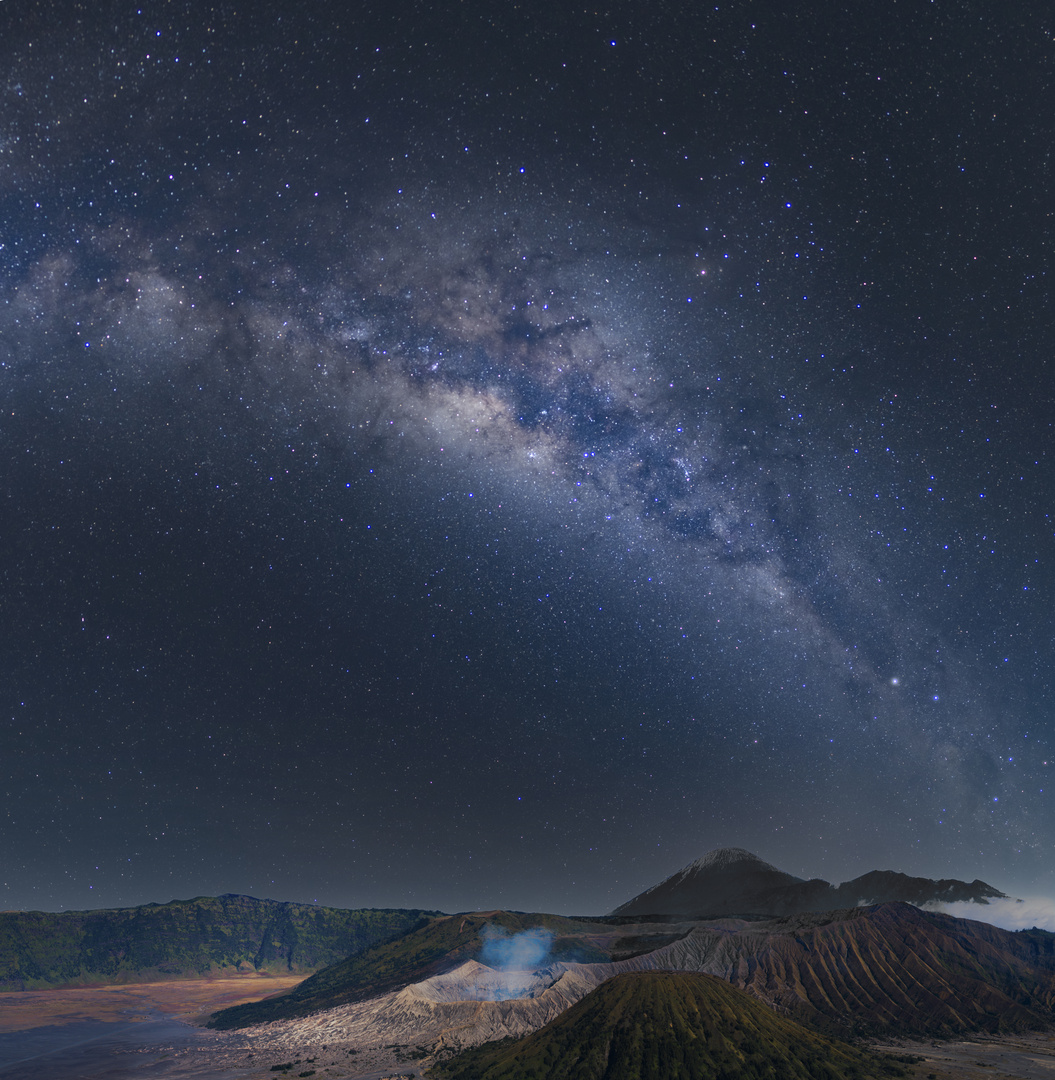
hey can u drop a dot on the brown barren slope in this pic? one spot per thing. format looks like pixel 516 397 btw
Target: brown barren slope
pixel 887 968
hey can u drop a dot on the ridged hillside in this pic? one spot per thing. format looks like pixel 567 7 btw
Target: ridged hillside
pixel 184 939
pixel 435 945
pixel 881 970
pixel 667 1026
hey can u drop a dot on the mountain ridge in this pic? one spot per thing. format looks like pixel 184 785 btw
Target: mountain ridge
pixel 183 939
pixel 733 881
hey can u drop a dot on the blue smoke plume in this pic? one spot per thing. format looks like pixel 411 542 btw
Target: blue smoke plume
pixel 515 952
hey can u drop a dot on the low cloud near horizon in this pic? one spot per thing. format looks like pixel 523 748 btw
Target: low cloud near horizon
pixel 1009 914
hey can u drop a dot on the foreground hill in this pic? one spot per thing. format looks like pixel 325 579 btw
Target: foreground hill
pixel 184 939
pixel 667 1026
pixel 434 945
pixel 731 881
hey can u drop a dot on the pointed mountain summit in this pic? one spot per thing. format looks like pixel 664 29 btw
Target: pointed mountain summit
pixel 732 881
pixel 724 881
pixel 734 858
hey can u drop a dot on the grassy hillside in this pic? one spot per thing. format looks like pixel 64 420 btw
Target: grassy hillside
pixel 184 939
pixel 667 1025
pixel 436 944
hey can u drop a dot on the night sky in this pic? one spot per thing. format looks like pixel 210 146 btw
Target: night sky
pixel 461 455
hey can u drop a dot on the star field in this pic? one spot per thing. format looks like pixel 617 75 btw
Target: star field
pixel 480 456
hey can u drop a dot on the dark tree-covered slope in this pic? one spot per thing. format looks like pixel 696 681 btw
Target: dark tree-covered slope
pixel 184 939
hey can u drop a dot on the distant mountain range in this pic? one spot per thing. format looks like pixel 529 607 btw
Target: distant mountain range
pixel 732 881
pixel 184 939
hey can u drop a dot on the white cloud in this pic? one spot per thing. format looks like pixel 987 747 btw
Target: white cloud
pixel 1009 914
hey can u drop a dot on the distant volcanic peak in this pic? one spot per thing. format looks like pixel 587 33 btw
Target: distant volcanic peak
pixel 732 881
pixel 983 893
pixel 729 858
pixel 880 886
pixel 724 881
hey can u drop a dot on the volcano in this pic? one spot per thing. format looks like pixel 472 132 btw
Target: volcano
pixel 732 881
pixel 660 1025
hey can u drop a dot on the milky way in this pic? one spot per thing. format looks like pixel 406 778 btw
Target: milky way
pixel 440 475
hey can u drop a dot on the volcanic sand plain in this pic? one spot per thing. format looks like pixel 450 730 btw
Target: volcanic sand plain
pixel 191 1000
pixel 1029 1056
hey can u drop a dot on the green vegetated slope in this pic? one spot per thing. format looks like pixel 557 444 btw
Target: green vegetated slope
pixel 435 945
pixel 895 969
pixel 184 939
pixel 668 1026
